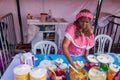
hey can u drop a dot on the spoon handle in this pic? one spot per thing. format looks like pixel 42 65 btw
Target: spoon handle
pixel 73 68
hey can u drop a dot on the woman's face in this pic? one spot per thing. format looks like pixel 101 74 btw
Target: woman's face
pixel 84 22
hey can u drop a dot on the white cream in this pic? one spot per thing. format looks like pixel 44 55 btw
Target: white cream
pixel 45 63
pixel 92 58
pixel 63 66
pixel 38 73
pixel 114 67
pixel 22 69
pixel 59 60
pixel 53 66
pixel 105 58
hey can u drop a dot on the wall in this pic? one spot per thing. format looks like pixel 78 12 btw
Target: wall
pixel 7 6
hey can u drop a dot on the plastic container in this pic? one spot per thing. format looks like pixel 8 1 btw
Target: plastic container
pixel 60 75
pixel 50 16
pixel 110 74
pixel 89 65
pixel 21 72
pixel 104 67
pixel 81 76
pixel 95 74
pixel 38 74
pixel 43 17
pixel 113 69
pixel 27 58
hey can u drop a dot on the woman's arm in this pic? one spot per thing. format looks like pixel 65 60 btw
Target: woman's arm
pixel 86 53
pixel 65 45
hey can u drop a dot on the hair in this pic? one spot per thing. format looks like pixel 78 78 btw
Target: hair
pixel 79 29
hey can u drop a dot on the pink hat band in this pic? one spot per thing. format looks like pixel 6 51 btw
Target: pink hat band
pixel 84 14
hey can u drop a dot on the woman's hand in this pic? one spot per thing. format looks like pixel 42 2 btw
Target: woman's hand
pixel 72 63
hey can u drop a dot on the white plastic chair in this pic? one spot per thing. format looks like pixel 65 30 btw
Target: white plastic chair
pixel 37 38
pixel 102 40
pixel 45 47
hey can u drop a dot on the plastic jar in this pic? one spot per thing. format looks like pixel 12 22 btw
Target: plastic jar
pixel 43 17
pixel 38 74
pixel 21 72
pixel 113 69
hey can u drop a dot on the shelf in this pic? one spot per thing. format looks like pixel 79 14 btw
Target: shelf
pixel 49 39
pixel 37 22
pixel 47 31
pixel 49 36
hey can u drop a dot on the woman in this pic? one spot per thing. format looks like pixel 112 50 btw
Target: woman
pixel 79 36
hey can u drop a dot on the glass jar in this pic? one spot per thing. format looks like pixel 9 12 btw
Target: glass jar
pixel 60 75
pixel 81 76
pixel 110 74
pixel 104 67
pixel 113 69
pixel 96 74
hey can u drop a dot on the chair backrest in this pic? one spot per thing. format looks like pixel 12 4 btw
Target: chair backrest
pixel 102 42
pixel 37 38
pixel 45 47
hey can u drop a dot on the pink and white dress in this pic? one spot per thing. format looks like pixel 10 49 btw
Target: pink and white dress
pixel 78 45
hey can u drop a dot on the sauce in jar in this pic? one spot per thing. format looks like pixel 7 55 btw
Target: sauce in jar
pixel 110 74
pixel 112 71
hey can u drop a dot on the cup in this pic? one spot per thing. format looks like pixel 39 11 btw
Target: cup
pixel 110 74
pixel 43 17
pixel 96 74
pixel 27 58
pixel 104 67
pixel 60 75
pixel 21 72
pixel 82 75
pixel 38 74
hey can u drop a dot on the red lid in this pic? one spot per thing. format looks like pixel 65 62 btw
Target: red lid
pixel 43 13
pixel 28 14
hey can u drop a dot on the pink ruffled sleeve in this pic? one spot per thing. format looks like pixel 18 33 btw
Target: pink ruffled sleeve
pixel 70 31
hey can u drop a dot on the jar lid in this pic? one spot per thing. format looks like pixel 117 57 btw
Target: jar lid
pixel 92 59
pixel 63 66
pixel 114 67
pixel 43 13
pixel 38 72
pixel 105 58
pixel 59 60
pixel 22 69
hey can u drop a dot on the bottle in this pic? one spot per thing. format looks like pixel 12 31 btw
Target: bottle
pixel 50 15
pixel 28 16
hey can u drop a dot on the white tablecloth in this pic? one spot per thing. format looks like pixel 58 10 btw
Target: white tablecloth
pixel 8 74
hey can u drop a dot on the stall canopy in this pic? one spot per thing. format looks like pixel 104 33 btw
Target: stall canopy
pixel 66 9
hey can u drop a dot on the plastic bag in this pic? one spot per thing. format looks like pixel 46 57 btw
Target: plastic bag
pixel 32 32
